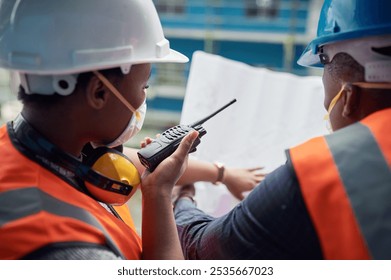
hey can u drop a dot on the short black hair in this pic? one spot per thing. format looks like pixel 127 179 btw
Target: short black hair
pixel 345 67
pixel 82 81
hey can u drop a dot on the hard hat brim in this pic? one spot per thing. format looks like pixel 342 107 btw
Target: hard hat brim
pixel 361 49
pixel 309 59
pixel 174 56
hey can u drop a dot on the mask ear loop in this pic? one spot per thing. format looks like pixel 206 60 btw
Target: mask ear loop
pixel 110 86
pixel 335 100
pixel 331 106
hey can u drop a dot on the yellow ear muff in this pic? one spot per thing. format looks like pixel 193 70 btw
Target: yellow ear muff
pixel 117 168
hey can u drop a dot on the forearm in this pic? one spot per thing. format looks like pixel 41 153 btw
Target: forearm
pixel 192 225
pixel 196 170
pixel 159 235
pixel 204 237
pixel 132 154
pixel 271 223
pixel 237 180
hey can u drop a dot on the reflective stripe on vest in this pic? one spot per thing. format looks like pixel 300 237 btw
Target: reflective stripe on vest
pixel 22 203
pixel 346 184
pixel 371 209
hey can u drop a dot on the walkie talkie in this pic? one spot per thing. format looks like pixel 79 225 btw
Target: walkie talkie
pixel 163 146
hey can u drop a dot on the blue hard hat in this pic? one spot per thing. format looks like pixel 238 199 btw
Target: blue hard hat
pixel 342 20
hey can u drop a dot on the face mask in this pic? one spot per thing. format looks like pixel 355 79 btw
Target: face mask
pixel 135 122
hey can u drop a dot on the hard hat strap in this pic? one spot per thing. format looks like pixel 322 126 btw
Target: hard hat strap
pixel 110 86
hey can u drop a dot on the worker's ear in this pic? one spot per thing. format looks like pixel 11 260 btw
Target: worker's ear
pixel 351 101
pixel 96 93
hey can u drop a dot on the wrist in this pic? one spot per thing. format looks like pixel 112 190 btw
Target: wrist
pixel 184 192
pixel 220 172
pixel 186 196
pixel 156 192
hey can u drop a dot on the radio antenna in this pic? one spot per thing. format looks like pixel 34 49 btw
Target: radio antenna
pixel 213 114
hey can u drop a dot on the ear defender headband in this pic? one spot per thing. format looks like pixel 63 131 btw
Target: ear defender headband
pixel 109 176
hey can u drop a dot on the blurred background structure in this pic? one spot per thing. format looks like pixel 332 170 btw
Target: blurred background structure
pixel 263 33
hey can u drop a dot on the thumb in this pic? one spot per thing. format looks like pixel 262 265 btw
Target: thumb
pixel 186 144
pixel 239 196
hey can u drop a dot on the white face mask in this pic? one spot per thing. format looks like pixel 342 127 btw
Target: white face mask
pixel 135 123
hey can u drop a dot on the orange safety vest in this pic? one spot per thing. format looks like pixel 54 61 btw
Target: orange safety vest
pixel 345 179
pixel 37 209
pixel 124 212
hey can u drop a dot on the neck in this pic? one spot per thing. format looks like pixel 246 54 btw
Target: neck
pixel 58 126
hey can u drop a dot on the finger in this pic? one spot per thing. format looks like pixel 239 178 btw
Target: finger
pixel 248 188
pixel 239 196
pixel 186 144
pixel 145 142
pixel 148 140
pixel 190 188
pixel 255 168
pixel 257 180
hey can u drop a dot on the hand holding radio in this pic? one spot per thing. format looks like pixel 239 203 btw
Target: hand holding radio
pixel 157 213
pixel 169 171
pixel 163 146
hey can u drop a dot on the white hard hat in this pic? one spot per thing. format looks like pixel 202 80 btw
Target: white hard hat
pixel 65 37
